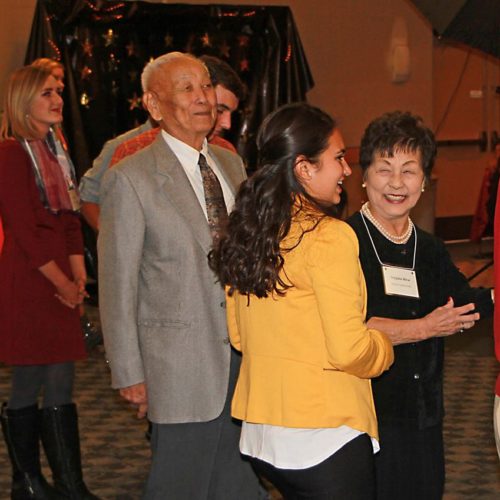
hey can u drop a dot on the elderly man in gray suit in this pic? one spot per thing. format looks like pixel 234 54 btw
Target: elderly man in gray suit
pixel 162 311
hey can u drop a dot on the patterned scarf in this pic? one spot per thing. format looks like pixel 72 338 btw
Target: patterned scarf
pixel 52 180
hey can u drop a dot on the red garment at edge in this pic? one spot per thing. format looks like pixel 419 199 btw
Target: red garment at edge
pixel 496 260
pixel 140 141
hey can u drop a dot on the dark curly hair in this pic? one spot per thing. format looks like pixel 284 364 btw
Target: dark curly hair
pixel 398 131
pixel 248 257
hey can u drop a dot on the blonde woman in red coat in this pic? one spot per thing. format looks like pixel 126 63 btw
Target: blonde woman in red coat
pixel 43 277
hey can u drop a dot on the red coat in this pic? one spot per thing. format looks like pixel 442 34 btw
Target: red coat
pixel 35 328
pixel 496 260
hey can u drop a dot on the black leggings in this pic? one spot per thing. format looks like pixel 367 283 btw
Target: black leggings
pixel 348 473
pixel 55 380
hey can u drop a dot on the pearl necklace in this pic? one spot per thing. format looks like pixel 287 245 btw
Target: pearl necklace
pixel 398 240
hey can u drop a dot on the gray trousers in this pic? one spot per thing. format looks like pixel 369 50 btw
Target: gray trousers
pixel 201 460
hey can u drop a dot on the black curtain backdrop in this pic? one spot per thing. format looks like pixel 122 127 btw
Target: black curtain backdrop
pixel 104 46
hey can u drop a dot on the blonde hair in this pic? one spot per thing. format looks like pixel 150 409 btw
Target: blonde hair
pixel 22 87
pixel 46 63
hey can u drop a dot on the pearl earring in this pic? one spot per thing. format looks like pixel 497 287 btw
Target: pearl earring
pixel 423 187
pixel 363 185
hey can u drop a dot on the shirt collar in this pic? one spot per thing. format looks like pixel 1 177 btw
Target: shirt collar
pixel 187 155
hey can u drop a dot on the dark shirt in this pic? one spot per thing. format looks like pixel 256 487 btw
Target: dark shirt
pixel 410 393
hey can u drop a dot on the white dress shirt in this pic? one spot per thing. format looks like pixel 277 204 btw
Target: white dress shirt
pixel 188 158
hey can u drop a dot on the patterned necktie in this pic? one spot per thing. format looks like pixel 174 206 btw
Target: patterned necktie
pixel 214 199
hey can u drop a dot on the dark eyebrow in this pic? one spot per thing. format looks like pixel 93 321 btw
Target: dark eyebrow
pixel 410 161
pixel 384 159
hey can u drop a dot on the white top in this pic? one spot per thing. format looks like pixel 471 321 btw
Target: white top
pixel 188 158
pixel 289 448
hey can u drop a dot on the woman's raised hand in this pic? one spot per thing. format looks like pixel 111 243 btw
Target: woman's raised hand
pixel 448 319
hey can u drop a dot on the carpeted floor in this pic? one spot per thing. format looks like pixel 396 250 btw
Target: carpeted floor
pixel 116 455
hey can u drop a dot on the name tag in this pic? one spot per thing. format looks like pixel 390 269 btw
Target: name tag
pixel 400 281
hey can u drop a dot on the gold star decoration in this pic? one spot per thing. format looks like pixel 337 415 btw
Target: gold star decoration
pixel 135 102
pixel 132 74
pixel 87 47
pixel 112 63
pixel 169 40
pixel 86 72
pixel 224 49
pixel 85 100
pixel 243 40
pixel 114 88
pixel 130 49
pixel 244 65
pixel 109 37
pixel 205 40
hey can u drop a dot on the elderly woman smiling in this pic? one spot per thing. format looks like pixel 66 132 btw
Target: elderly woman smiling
pixel 416 296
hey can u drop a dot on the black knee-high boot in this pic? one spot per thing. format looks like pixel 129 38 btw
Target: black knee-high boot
pixel 61 441
pixel 21 432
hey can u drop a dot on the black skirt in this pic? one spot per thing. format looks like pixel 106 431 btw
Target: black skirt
pixel 410 464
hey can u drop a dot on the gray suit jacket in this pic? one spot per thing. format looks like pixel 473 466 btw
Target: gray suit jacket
pixel 162 311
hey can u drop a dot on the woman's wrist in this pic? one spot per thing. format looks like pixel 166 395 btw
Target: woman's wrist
pixel 423 328
pixel 54 274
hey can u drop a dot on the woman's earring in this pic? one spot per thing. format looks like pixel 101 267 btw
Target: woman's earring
pixel 423 187
pixel 363 185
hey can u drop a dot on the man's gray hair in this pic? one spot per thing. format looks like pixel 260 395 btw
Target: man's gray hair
pixel 152 66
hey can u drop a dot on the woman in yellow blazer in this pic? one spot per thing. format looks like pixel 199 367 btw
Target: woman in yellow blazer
pixel 296 306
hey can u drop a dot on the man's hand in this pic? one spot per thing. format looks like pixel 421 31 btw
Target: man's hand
pixel 137 395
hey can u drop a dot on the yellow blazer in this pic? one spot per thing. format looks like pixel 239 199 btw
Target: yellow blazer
pixel 308 356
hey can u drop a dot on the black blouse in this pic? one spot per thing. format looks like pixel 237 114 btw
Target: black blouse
pixel 410 393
